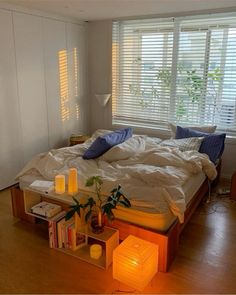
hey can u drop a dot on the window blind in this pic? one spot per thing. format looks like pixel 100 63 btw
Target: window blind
pixel 181 70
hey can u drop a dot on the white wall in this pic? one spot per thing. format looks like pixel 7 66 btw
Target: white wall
pixel 34 114
pixel 100 73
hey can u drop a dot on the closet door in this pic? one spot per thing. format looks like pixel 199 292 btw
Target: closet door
pixel 31 84
pixel 77 65
pixel 56 76
pixel 10 130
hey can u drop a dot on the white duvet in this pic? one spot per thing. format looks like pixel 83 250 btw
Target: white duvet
pixel 151 175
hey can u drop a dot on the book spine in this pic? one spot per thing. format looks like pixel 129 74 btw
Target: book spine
pixel 59 236
pixel 70 236
pixel 50 234
pixel 55 234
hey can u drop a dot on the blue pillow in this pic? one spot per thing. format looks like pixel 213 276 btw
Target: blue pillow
pixel 213 144
pixel 103 143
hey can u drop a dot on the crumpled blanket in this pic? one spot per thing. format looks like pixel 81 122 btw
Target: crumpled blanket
pixel 151 175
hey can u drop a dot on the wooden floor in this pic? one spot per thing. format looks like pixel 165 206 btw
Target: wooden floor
pixel 206 260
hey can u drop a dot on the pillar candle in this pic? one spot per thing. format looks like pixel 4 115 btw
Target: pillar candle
pixel 72 181
pixel 95 251
pixel 60 184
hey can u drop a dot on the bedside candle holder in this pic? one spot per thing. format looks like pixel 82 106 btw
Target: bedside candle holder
pixel 60 186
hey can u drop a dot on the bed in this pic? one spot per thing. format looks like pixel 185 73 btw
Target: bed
pixel 163 183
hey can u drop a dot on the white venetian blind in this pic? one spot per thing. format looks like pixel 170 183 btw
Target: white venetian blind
pixel 140 50
pixel 181 70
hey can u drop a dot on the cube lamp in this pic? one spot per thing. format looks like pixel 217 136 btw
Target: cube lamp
pixel 135 262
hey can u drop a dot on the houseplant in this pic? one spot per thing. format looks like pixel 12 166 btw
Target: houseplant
pixel 99 206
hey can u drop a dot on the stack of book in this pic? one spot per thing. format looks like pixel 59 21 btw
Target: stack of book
pixel 62 233
pixel 42 186
pixel 46 209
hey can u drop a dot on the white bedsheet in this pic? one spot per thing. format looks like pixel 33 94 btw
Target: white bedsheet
pixel 140 165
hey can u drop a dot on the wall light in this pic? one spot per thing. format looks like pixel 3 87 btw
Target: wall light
pixel 103 98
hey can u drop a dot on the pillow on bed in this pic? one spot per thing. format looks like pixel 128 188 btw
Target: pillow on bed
pixel 207 129
pixel 184 144
pixel 104 142
pixel 212 144
pixel 125 150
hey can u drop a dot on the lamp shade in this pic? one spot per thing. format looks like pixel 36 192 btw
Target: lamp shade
pixel 135 262
pixel 103 98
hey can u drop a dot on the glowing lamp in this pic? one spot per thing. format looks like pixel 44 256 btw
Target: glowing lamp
pixel 72 181
pixel 135 262
pixel 95 251
pixel 60 186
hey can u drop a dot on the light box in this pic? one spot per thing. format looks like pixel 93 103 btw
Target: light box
pixel 135 262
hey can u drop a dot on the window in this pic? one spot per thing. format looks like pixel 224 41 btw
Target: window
pixel 181 70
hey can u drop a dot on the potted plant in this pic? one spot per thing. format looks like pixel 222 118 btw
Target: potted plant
pixel 95 208
pixel 75 211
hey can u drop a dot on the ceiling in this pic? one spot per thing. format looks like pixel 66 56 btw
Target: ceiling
pixel 107 9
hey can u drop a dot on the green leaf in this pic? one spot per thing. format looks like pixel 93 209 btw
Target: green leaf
pixel 69 214
pixel 90 182
pixel 78 211
pixel 127 201
pixel 75 200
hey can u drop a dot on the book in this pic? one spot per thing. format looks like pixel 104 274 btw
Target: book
pixel 52 229
pixel 59 232
pixel 42 185
pixel 46 209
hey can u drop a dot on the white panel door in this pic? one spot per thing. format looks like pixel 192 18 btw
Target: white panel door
pixel 10 131
pixel 31 83
pixel 77 65
pixel 55 55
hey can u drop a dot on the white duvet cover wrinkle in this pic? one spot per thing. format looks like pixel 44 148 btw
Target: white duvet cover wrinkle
pixel 152 178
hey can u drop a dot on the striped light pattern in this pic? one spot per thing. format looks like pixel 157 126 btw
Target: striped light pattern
pixel 64 85
pixel 175 69
pixel 135 262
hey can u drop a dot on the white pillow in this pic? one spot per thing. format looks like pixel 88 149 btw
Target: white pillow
pixel 184 144
pixel 207 129
pixel 125 150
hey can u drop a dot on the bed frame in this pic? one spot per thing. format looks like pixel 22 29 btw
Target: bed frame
pixel 167 242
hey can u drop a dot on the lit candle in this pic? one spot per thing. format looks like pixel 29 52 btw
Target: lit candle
pixel 60 184
pixel 72 181
pixel 95 251
pixel 99 218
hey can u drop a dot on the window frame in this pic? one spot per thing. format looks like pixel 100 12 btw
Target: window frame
pixel 174 75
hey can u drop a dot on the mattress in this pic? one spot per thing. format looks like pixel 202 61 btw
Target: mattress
pixel 160 221
pixel 156 221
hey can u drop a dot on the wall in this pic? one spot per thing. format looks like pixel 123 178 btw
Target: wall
pixel 43 82
pixel 100 73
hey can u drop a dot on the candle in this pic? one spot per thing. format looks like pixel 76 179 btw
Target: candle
pixel 72 181
pixel 60 184
pixel 95 251
pixel 99 218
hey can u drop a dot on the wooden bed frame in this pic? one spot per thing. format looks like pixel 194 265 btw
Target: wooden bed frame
pixel 167 242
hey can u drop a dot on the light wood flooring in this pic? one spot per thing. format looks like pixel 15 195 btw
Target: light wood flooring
pixel 206 260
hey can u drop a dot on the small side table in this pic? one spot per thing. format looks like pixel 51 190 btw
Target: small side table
pixel 78 139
